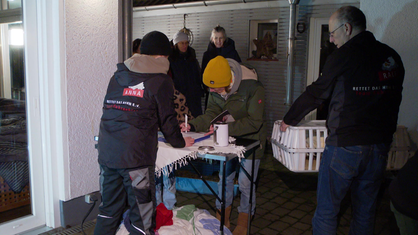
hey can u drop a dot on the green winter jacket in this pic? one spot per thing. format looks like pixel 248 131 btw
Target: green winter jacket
pixel 246 105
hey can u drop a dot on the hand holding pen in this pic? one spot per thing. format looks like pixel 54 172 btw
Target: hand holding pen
pixel 183 127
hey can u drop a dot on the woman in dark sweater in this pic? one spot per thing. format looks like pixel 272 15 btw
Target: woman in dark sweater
pixel 185 71
pixel 221 45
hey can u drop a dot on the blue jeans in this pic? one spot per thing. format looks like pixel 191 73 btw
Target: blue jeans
pixel 244 184
pixel 166 184
pixel 359 168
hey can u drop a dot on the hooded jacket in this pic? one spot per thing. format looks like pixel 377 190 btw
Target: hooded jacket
pixel 139 100
pixel 245 103
pixel 227 51
pixel 363 80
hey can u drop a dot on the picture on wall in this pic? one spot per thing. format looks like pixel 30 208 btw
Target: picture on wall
pixel 263 38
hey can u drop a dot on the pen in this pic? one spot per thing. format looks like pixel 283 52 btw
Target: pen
pixel 186 119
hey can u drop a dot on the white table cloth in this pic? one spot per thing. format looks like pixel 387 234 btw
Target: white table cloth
pixel 169 158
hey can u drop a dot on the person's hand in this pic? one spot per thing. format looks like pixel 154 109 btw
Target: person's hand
pixel 183 127
pixel 210 132
pixel 224 118
pixel 283 126
pixel 189 141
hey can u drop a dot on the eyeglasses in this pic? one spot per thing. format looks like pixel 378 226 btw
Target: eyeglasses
pixel 331 34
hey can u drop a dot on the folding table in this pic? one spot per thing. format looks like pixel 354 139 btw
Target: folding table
pixel 222 154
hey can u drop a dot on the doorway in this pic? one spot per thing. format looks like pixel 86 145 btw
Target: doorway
pixel 319 49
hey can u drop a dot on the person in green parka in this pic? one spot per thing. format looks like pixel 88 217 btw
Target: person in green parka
pixel 235 88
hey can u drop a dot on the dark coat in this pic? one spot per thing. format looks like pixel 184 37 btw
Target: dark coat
pixel 187 78
pixel 128 135
pixel 227 51
pixel 363 79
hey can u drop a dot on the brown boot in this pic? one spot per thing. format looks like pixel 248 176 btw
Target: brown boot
pixel 227 214
pixel 242 224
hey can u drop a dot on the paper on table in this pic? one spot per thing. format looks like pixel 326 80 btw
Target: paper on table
pixel 229 118
pixel 197 136
pixel 220 117
pixel 194 135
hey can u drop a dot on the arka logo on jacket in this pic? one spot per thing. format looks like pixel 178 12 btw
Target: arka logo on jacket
pixel 137 90
pixel 389 70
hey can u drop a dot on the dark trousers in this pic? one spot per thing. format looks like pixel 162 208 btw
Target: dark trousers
pixel 135 186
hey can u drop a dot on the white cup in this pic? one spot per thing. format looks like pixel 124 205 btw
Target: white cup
pixel 220 134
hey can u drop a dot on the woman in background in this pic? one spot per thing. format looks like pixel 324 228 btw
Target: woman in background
pixel 221 45
pixel 135 46
pixel 185 72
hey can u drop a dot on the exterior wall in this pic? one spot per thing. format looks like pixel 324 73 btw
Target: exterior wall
pixel 91 44
pixel 91 29
pixel 394 22
pixel 236 23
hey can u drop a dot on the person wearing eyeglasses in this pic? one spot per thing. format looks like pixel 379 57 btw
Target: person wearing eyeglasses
pixel 363 80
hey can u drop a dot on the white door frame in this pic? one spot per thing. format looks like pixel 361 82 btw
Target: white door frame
pixel 6 88
pixel 44 77
pixel 315 32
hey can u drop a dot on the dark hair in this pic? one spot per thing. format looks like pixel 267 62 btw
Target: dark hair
pixel 135 45
pixel 352 15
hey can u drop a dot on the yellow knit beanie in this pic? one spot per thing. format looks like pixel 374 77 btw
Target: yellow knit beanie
pixel 217 73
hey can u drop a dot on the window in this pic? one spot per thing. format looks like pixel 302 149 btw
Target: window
pixel 319 49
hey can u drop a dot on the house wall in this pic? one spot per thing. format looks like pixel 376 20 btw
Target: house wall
pixel 90 35
pixel 91 45
pixel 236 23
pixel 394 22
pixel 91 55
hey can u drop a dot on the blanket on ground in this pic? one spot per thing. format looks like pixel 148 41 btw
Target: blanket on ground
pixel 188 220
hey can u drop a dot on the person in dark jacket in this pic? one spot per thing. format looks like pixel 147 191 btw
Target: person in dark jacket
pixel 136 46
pixel 243 96
pixel 185 71
pixel 138 101
pixel 363 78
pixel 403 191
pixel 221 45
